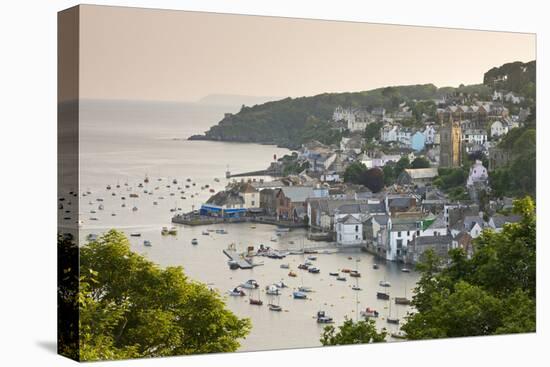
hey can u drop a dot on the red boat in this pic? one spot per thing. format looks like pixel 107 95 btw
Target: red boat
pixel 256 302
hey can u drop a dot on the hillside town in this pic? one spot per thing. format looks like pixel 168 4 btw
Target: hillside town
pixel 387 187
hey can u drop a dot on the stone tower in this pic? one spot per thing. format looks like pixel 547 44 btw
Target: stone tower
pixel 450 144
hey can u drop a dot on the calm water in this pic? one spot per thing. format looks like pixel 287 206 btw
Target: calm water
pixel 122 143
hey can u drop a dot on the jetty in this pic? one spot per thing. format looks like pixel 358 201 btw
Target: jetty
pixel 239 259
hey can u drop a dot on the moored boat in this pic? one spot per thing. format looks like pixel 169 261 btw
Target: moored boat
pixel 250 284
pixel 194 241
pixel 147 243
pixel 299 295
pixel 369 312
pixel 322 318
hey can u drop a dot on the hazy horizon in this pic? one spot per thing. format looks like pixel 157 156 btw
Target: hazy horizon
pixel 158 55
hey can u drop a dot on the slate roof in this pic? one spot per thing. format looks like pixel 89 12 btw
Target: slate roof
pixel 297 194
pixel 433 240
pixel 349 219
pixel 500 220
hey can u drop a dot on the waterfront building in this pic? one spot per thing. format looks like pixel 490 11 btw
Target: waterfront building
pixel 349 231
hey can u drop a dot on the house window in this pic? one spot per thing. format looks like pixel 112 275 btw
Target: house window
pixel 399 234
pixel 399 243
pixel 253 202
pixel 356 228
pixel 418 233
pixel 408 233
pixel 356 237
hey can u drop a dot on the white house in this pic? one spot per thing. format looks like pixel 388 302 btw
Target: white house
pixel 429 134
pixel 499 128
pixel 389 133
pixel 251 196
pixel 478 174
pixel 404 136
pixel 474 136
pixel 400 235
pixel 512 98
pixel 349 231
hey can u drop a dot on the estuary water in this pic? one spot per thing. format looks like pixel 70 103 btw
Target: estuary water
pixel 123 142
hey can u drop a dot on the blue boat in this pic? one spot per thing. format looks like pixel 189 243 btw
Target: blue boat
pixel 299 295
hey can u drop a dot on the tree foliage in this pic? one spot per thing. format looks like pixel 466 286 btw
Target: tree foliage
pixel 420 162
pixel 519 176
pixel 491 293
pixel 129 307
pixel 351 332
pixel 358 173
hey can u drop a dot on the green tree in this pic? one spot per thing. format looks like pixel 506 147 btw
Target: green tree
pixel 373 179
pixel 354 172
pixel 401 165
pixel 351 332
pixel 420 162
pixel 373 131
pixel 491 293
pixel 132 308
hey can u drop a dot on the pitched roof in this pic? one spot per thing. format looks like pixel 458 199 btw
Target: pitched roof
pixel 297 194
pixel 349 219
pixel 419 173
pixel 433 240
pixel 500 220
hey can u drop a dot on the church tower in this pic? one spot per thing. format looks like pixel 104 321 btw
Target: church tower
pixel 450 155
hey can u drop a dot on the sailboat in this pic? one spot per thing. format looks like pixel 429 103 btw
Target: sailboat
pixel 275 306
pixel 383 294
pixel 403 300
pixel 255 301
pixel 390 319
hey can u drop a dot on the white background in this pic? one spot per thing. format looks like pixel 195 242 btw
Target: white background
pixel 28 181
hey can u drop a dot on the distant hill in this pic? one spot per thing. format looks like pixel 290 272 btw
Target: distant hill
pixel 289 122
pixel 233 100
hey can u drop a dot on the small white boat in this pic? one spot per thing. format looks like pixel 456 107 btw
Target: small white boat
pixel 369 312
pixel 250 284
pixel 406 270
pixel 356 288
pixel 322 318
pixel 280 284
pixel 272 290
pixel 285 266
pixel 91 237
pixel 312 258
pixel 276 308
pixel 299 295
pixel 281 229
pixel 147 243
pixel 305 289
pixel 384 283
pixel 236 292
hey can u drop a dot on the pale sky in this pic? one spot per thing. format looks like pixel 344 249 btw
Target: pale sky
pixel 163 55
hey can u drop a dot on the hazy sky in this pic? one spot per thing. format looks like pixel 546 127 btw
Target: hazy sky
pixel 144 54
